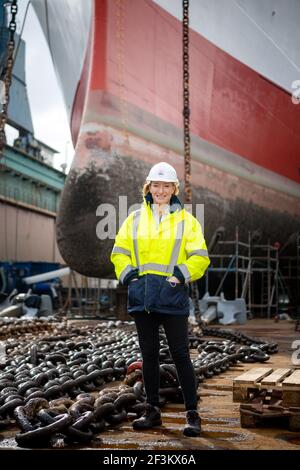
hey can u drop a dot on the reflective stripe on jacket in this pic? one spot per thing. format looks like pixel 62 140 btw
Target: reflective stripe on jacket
pixel 155 251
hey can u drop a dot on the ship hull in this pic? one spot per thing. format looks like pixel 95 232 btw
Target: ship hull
pixel 229 201
pixel 127 115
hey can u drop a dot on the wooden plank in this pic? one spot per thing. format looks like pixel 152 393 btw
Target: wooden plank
pixel 276 376
pixel 252 376
pixel 293 380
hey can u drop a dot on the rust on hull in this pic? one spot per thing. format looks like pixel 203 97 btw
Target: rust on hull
pixel 103 175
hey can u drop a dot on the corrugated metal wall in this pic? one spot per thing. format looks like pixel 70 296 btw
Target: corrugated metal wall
pixel 27 235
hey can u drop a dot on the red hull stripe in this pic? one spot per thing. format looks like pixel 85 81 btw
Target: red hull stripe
pixel 137 56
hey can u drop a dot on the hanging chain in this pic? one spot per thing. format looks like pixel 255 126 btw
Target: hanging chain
pixel 186 129
pixel 8 72
pixel 120 53
pixel 186 104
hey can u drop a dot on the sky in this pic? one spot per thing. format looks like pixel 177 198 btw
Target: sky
pixel 45 98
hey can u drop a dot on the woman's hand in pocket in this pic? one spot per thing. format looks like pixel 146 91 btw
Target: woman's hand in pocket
pixel 173 279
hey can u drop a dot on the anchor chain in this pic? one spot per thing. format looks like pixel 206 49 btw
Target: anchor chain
pixel 186 130
pixel 186 103
pixel 48 381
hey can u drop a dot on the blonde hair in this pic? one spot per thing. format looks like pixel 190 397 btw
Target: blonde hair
pixel 146 188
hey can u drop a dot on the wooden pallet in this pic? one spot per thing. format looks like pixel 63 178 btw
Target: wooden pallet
pixel 266 409
pixel 286 381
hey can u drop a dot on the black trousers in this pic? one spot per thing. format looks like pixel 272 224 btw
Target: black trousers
pixel 176 329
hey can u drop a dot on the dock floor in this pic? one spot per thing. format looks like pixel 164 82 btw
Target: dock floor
pixel 220 415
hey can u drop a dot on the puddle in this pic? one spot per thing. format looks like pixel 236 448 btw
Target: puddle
pixel 217 386
pixel 118 445
pixel 224 435
pixel 222 421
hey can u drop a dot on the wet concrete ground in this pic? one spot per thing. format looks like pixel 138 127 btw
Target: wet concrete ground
pixel 220 415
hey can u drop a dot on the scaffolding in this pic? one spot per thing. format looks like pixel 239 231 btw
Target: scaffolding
pixel 265 266
pixel 289 270
pixel 251 271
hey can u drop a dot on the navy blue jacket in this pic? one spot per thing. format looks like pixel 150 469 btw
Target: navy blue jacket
pixel 153 293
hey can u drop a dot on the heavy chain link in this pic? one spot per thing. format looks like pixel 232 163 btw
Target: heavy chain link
pixel 120 46
pixel 186 103
pixel 186 128
pixel 8 71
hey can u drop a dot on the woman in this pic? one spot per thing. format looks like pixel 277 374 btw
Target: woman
pixel 158 251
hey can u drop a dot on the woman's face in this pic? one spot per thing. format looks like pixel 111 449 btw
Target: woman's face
pixel 161 192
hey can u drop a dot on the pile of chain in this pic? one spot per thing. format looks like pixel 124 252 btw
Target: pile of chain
pixel 64 421
pixel 237 336
pixel 217 357
pixel 15 328
pixel 57 388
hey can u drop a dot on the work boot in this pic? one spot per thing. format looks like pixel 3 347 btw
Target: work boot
pixel 150 418
pixel 193 424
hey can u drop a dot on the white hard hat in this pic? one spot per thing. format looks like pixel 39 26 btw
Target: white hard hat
pixel 162 172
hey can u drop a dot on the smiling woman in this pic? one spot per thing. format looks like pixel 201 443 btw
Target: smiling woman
pixel 159 249
pixel 161 192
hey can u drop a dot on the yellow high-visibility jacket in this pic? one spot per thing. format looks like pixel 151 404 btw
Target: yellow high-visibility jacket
pixel 175 247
